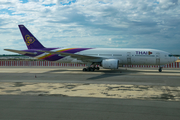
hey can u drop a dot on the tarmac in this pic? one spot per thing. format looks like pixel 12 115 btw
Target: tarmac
pixel 69 93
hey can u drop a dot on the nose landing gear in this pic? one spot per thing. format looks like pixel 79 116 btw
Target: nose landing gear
pixel 160 69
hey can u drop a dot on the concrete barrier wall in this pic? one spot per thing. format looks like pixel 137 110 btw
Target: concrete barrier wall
pixel 171 65
pixel 38 63
pixel 48 63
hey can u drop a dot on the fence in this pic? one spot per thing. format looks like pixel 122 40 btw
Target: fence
pixel 38 63
pixel 171 65
pixel 48 63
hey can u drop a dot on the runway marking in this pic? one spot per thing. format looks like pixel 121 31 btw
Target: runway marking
pixel 145 92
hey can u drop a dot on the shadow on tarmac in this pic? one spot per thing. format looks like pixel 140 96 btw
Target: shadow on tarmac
pixel 107 73
pixel 104 76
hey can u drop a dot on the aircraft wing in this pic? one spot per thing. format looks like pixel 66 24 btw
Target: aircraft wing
pixel 20 52
pixel 79 57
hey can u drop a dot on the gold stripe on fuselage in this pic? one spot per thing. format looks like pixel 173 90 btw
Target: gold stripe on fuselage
pixel 48 55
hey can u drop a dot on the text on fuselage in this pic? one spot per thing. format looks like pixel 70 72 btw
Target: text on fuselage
pixel 143 53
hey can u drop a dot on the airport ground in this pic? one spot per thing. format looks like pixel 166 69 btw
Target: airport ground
pixel 69 93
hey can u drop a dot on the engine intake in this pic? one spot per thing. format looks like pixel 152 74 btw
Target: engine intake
pixel 110 63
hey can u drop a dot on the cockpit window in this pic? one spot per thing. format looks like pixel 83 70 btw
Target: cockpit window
pixel 170 55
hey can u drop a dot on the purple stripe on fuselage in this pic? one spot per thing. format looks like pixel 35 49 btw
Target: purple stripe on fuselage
pixel 57 57
pixel 54 57
pixel 75 50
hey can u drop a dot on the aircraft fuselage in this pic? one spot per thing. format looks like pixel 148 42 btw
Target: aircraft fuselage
pixel 124 55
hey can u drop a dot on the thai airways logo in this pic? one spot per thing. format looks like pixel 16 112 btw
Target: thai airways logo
pixel 149 53
pixel 29 40
pixel 143 52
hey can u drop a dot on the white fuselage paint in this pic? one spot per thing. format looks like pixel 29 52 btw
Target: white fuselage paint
pixel 126 56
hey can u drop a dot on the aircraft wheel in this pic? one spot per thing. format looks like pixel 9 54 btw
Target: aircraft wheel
pixel 92 69
pixel 84 69
pixel 88 69
pixel 97 68
pixel 160 69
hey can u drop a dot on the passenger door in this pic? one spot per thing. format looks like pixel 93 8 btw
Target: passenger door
pixel 128 58
pixel 157 58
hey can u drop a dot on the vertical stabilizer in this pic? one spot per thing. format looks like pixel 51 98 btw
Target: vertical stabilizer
pixel 29 39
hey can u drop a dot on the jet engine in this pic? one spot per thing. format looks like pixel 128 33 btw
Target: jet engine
pixel 110 63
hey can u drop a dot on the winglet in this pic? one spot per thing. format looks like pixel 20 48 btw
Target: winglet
pixel 29 39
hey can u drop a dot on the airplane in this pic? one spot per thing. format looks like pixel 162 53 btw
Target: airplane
pixel 108 58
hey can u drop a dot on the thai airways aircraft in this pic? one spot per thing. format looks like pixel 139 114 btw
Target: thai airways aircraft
pixel 109 58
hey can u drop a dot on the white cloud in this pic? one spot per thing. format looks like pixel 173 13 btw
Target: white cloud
pixel 87 23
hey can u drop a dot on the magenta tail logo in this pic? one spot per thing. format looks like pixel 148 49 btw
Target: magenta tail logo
pixel 29 40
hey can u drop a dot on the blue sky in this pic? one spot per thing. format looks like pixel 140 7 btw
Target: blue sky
pixel 98 23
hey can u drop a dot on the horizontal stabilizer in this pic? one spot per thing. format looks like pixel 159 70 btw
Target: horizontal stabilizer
pixel 20 52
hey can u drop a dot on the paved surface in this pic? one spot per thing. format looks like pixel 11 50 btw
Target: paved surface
pixel 45 105
pixel 75 108
pixel 131 76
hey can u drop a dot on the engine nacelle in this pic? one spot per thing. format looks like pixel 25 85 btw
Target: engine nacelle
pixel 110 64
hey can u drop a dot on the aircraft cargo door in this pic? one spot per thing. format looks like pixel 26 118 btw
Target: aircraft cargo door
pixel 157 58
pixel 128 58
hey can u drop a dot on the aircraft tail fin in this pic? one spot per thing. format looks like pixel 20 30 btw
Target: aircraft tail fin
pixel 29 39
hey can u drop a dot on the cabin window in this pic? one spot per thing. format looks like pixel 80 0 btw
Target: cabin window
pixel 117 55
pixel 170 55
pixel 145 55
pixel 105 54
pixel 91 54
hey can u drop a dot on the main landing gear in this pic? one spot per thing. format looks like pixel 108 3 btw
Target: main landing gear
pixel 91 68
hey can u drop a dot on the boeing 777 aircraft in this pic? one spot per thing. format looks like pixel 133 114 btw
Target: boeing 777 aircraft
pixel 109 58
